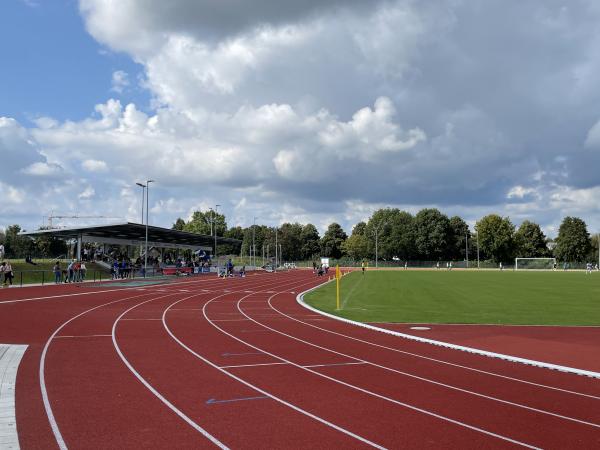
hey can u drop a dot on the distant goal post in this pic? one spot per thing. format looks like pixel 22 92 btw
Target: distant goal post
pixel 535 263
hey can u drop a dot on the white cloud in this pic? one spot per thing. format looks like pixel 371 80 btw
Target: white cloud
pixel 94 165
pixel 120 81
pixel 87 193
pixel 42 169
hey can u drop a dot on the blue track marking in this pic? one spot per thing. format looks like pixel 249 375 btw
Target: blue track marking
pixel 212 401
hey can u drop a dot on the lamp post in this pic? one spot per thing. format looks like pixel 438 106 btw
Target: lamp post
pixel 143 186
pixel 377 242
pixel 215 212
pixel 253 260
pixel 467 247
pixel 276 256
pixel 147 203
pixel 478 250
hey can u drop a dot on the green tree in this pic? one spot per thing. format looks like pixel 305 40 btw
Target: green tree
pixel 459 233
pixel 309 241
pixel 496 238
pixel 357 245
pixel 395 234
pixel 290 240
pixel 50 246
pixel 432 234
pixel 530 241
pixel 179 224
pixel 573 241
pixel 332 241
pixel 202 223
pixel 17 246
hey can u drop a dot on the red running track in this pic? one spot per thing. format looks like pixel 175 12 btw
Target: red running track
pixel 238 363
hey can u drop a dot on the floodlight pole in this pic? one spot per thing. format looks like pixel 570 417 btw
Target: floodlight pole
pixel 143 186
pixel 147 206
pixel 377 242
pixel 467 247
pixel 478 250
pixel 215 227
pixel 253 260
pixel 276 256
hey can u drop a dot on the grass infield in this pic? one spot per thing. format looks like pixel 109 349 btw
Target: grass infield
pixel 486 297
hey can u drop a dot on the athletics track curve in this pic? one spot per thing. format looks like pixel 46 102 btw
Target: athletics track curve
pixel 237 363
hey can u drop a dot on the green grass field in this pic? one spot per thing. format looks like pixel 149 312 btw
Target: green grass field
pixel 487 297
pixel 42 272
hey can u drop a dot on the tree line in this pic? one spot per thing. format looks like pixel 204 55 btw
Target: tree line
pixel 429 235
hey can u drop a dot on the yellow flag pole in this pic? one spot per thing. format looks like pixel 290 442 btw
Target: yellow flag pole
pixel 337 283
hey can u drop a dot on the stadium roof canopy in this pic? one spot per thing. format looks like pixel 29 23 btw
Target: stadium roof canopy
pixel 129 233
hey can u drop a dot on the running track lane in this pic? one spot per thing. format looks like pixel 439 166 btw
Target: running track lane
pixel 86 372
pixel 427 394
pixel 205 338
pixel 559 431
pixel 372 418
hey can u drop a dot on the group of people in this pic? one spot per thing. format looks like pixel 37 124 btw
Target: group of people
pixel 73 273
pixel 228 271
pixel 320 269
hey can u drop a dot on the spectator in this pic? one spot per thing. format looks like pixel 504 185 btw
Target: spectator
pixel 71 271
pixel 57 272
pixel 6 269
pixel 82 270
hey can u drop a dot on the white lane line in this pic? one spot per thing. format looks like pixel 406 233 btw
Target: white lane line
pixel 140 319
pixel 336 364
pixel 83 336
pixel 55 429
pixel 428 380
pixel 528 362
pixel 172 407
pixel 252 365
pixel 230 320
pixel 257 389
pixel 149 386
pixel 10 358
pixel 374 394
pixel 300 300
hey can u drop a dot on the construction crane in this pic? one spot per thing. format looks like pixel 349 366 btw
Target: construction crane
pixel 52 216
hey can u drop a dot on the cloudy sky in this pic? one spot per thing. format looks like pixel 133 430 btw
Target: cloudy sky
pixel 312 111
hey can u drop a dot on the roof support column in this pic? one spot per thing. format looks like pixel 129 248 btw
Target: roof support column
pixel 79 239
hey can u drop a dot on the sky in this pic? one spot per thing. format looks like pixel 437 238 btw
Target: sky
pixel 315 111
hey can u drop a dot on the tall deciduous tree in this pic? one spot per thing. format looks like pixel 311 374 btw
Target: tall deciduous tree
pixel 496 237
pixel 530 241
pixel 573 241
pixel 432 233
pixel 179 224
pixel 333 240
pixel 17 246
pixel 357 245
pixel 459 233
pixel 309 237
pixel 201 223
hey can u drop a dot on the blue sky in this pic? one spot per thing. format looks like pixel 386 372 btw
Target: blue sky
pixel 51 66
pixel 315 111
